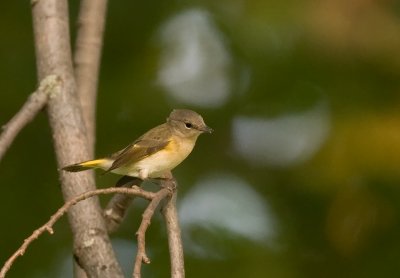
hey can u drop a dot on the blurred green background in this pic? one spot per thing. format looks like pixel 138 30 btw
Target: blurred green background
pixel 301 176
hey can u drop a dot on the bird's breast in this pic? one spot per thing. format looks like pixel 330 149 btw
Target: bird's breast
pixel 177 150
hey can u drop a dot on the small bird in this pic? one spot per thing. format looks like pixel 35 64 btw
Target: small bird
pixel 156 152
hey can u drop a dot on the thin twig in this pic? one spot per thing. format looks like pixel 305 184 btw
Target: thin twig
pixel 141 256
pixel 170 214
pixel 137 191
pixel 50 85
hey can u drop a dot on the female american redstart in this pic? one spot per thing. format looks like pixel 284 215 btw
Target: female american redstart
pixel 156 152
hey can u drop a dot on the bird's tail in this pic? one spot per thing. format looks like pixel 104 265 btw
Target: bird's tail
pixel 86 165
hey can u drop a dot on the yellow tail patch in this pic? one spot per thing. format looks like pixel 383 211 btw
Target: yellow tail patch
pixel 86 165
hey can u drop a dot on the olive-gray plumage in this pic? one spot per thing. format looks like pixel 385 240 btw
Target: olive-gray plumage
pixel 159 150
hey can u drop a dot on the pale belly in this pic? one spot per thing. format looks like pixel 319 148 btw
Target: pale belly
pixel 155 165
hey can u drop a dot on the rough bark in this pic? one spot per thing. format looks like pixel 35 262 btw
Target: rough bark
pixel 91 243
pixel 87 57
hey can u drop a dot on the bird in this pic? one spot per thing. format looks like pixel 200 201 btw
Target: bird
pixel 156 152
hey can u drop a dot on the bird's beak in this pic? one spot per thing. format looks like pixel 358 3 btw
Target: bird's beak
pixel 206 129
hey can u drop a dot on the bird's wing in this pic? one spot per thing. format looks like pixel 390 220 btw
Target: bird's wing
pixel 151 142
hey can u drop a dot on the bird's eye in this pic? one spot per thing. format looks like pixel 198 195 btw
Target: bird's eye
pixel 188 125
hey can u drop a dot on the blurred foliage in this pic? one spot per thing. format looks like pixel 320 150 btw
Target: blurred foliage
pixel 335 211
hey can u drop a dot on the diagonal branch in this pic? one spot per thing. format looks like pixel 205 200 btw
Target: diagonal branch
pixel 117 207
pixel 136 191
pixel 49 86
pixel 169 212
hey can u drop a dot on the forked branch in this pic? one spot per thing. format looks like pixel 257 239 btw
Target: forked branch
pixel 141 256
pixel 170 216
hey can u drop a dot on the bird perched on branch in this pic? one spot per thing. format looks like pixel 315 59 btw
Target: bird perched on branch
pixel 156 152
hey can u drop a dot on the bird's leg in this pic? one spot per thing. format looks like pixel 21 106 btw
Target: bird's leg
pixel 167 181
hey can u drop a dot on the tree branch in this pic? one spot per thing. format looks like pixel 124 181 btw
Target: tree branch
pixel 170 214
pixel 117 207
pixel 88 48
pixel 52 41
pixel 88 45
pixel 49 86
pixel 141 256
pixel 136 191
